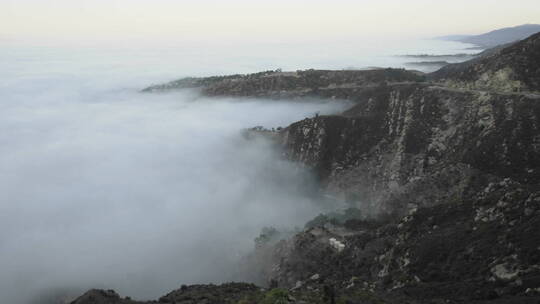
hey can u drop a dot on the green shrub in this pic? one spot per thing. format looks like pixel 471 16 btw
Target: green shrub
pixel 267 234
pixel 318 221
pixel 276 296
pixel 336 218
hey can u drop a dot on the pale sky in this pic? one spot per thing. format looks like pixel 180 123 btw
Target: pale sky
pixel 109 20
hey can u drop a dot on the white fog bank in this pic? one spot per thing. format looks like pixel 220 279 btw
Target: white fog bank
pixel 102 186
pixel 138 192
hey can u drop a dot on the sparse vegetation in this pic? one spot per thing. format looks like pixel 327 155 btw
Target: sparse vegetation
pixel 267 235
pixel 276 296
pixel 335 218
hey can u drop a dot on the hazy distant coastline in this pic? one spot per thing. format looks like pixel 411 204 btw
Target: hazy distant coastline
pixel 496 37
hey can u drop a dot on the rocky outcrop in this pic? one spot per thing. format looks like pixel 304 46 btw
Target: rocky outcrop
pixel 417 145
pixel 480 248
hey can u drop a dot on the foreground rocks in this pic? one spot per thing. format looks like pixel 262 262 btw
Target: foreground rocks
pixel 225 293
pixel 482 248
pixel 445 169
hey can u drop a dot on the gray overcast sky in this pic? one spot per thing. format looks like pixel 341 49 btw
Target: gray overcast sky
pixel 104 20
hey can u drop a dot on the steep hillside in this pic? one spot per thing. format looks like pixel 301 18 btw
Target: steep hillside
pixel 481 249
pixel 419 145
pixel 515 68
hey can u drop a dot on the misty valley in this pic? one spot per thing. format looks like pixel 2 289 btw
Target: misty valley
pixel 350 171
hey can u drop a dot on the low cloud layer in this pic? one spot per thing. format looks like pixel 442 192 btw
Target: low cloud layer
pixel 137 192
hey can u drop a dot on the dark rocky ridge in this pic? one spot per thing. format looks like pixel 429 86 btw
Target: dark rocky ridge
pixel 449 165
pixel 278 84
pixel 419 144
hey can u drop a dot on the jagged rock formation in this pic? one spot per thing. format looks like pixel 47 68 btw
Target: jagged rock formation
pixel 419 144
pixel 446 168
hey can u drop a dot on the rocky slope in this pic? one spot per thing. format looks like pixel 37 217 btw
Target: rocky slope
pixel 417 145
pixel 444 170
pixel 515 68
pixel 479 248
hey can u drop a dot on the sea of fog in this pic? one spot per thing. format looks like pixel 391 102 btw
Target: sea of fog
pixel 102 186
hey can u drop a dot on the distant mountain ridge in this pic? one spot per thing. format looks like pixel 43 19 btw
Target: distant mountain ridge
pixel 513 68
pixel 497 37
